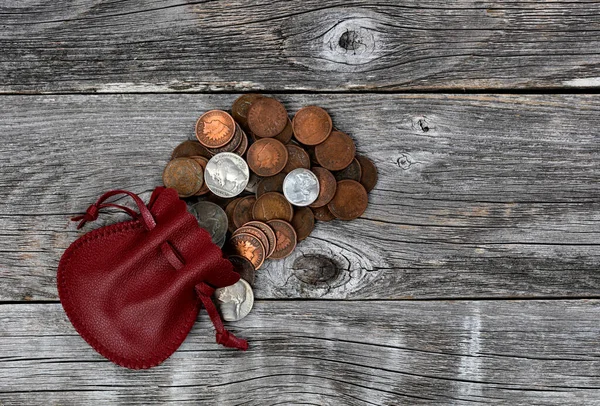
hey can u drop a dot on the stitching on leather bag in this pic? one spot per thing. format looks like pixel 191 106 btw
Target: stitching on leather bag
pixel 145 362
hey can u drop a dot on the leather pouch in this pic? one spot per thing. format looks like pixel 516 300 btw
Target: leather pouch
pixel 133 289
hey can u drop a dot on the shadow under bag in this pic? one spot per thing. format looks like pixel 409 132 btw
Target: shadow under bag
pixel 133 289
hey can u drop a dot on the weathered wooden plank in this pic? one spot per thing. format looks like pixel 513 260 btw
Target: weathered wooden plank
pixel 326 353
pixel 479 196
pixel 173 46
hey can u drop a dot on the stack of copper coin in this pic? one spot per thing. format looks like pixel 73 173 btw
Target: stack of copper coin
pixel 272 177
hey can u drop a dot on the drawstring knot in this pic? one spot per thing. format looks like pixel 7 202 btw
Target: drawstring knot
pixel 91 214
pixel 223 336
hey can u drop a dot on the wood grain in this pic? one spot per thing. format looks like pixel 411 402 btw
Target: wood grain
pixel 325 353
pixel 175 46
pixel 478 196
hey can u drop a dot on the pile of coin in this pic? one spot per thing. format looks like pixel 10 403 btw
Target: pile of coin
pixel 263 179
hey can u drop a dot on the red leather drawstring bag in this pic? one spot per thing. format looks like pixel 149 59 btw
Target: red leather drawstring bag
pixel 133 289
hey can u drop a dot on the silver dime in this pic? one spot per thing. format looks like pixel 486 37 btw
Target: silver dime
pixel 235 301
pixel 226 174
pixel 301 187
pixel 213 219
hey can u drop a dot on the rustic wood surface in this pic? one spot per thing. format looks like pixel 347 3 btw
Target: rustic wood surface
pixel 173 46
pixel 316 352
pixel 473 277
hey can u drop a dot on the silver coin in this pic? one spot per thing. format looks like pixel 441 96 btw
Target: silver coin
pixel 253 183
pixel 213 219
pixel 226 174
pixel 301 187
pixel 235 301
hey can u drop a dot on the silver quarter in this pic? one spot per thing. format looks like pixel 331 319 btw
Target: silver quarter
pixel 213 219
pixel 226 174
pixel 301 187
pixel 235 301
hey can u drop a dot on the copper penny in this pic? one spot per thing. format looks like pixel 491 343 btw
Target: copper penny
pixel 368 177
pixel 350 200
pixel 244 267
pixel 190 148
pixel 285 236
pixel 297 158
pixel 249 247
pixel 271 206
pixel 267 157
pixel 267 117
pixel 352 171
pixel 312 125
pixel 270 184
pixel 257 233
pixel 232 145
pixel 286 135
pixel 229 211
pixel 268 231
pixel 202 161
pixel 303 222
pixel 215 128
pixel 239 109
pixel 323 214
pixel 327 185
pixel 241 149
pixel 185 175
pixel 336 152
pixel 242 212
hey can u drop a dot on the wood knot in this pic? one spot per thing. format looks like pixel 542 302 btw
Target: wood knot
pixel 315 269
pixel 404 161
pixel 331 44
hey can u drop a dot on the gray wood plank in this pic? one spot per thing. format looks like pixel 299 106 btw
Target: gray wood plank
pixel 174 46
pixel 326 353
pixel 478 196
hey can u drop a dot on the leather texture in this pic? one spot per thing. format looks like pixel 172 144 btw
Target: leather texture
pixel 133 289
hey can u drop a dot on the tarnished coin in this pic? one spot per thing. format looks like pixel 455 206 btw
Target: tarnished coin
pixel 368 176
pixel 215 128
pixel 246 229
pixel 286 135
pixel 285 236
pixel 270 184
pixel 241 149
pixel 323 214
pixel 249 247
pixel 267 157
pixel 184 175
pixel 227 174
pixel 253 183
pixel 242 213
pixel 303 222
pixel 235 302
pixel 232 145
pixel 213 219
pixel 297 158
pixel 239 109
pixel 350 200
pixel 244 267
pixel 190 148
pixel 336 152
pixel 352 171
pixel 327 185
pixel 202 161
pixel 229 211
pixel 267 117
pixel 312 125
pixel 268 231
pixel 271 206
pixel 301 187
